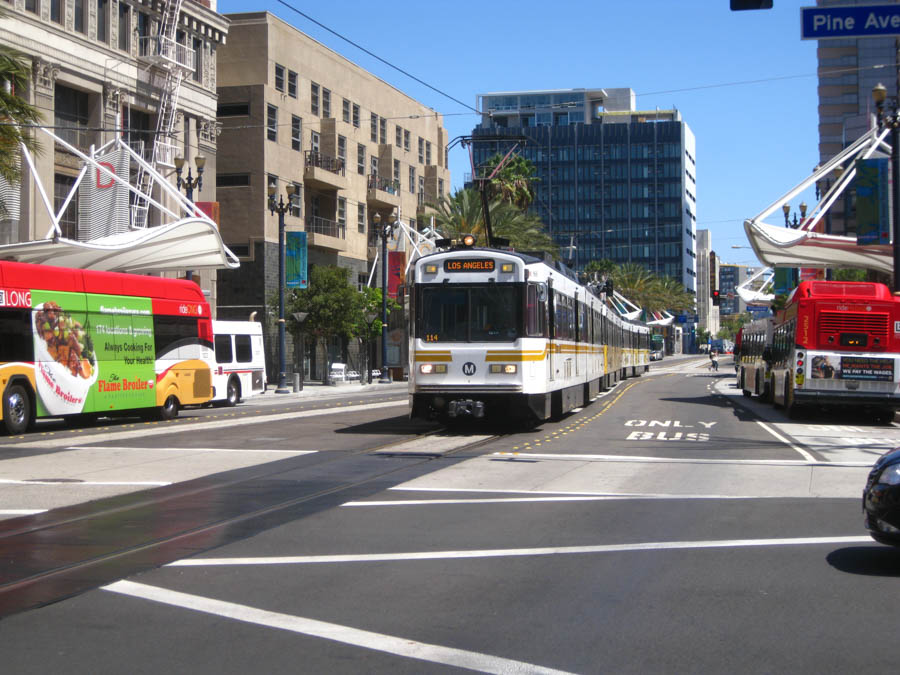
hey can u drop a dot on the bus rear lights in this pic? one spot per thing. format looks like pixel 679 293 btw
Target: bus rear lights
pixel 504 368
pixel 433 368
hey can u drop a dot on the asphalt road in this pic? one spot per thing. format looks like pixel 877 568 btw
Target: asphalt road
pixel 670 526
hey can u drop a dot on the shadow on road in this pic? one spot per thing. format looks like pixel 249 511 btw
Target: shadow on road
pixel 875 560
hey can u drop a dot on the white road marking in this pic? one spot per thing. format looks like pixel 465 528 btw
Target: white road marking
pixel 518 552
pixel 781 438
pixel 82 483
pixel 811 461
pixel 135 448
pixel 21 512
pixel 389 644
pixel 518 500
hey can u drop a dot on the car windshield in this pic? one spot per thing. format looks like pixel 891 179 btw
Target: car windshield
pixel 476 313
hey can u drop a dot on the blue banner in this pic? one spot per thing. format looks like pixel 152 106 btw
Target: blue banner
pixel 295 260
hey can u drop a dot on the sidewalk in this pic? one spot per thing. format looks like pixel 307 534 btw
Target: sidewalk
pixel 316 389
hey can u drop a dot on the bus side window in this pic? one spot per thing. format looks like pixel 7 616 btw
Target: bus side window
pixel 223 349
pixel 16 342
pixel 242 348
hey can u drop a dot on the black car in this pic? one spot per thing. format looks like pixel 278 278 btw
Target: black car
pixel 881 499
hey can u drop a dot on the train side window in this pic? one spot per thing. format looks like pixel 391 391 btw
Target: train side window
pixel 536 311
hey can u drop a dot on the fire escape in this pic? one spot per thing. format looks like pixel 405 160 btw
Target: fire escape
pixel 168 62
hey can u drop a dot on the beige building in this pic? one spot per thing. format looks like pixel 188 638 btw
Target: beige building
pixel 294 112
pixel 97 72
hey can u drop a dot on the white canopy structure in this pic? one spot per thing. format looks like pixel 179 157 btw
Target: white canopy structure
pixel 186 239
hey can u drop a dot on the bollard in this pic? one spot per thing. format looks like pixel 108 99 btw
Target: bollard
pixel 296 382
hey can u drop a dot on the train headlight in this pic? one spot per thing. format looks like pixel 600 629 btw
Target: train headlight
pixel 432 368
pixel 468 240
pixel 504 368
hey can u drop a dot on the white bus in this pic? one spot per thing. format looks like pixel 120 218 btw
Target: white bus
pixel 240 368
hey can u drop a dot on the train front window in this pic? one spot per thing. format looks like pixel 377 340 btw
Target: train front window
pixel 484 313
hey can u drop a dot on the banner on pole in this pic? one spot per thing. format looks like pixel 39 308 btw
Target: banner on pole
pixel 295 260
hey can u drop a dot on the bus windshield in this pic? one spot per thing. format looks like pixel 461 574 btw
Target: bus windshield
pixel 470 313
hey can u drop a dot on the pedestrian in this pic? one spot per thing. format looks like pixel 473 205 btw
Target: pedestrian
pixel 714 360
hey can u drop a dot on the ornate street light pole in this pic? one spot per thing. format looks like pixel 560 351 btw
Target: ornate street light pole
pixel 190 182
pixel 385 233
pixel 892 121
pixel 281 208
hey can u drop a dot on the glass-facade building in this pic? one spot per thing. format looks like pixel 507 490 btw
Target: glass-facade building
pixel 613 182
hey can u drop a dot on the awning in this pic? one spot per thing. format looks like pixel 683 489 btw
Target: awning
pixel 192 243
pixel 786 247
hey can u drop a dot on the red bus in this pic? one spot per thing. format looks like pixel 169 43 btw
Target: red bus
pixel 837 343
pixel 77 343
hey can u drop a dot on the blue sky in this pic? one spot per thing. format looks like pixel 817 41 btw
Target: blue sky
pixel 744 81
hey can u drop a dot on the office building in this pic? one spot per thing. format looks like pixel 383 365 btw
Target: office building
pixel 294 112
pixel 730 277
pixel 614 182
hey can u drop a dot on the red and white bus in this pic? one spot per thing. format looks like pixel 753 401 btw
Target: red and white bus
pixel 837 343
pixel 76 343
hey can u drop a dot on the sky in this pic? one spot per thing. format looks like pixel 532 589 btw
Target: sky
pixel 744 82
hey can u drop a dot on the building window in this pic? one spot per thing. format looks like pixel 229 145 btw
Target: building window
pixel 296 133
pixel 412 179
pixel 326 103
pixel 279 77
pixel 102 21
pixel 314 98
pixel 342 150
pixel 232 180
pixel 382 125
pixel 398 139
pixel 421 150
pixel 124 26
pixel 440 187
pixel 373 163
pixel 314 139
pixel 62 186
pixel 342 211
pixel 272 122
pixel 428 152
pixel 56 11
pixel 297 200
pixel 406 140
pixel 143 31
pixel 198 60
pixel 292 84
pixel 71 116
pixel 373 128
pixel 80 22
pixel 31 6
pixel 361 218
pixel 345 111
pixel 356 116
pixel 233 110
pixel 361 159
pixel 397 171
pixel 421 185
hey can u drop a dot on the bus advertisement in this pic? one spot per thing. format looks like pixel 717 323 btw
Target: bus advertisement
pixel 77 343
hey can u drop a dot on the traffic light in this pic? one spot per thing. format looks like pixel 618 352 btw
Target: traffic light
pixel 715 297
pixel 737 5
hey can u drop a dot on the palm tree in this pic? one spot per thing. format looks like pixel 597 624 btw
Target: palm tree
pixel 459 214
pixel 16 114
pixel 513 182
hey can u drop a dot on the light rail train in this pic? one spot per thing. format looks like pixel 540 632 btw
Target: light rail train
pixel 505 335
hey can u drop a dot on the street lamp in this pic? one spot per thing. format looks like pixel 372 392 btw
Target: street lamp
pixel 190 182
pixel 786 209
pixel 385 234
pixel 300 317
pixel 892 120
pixel 281 208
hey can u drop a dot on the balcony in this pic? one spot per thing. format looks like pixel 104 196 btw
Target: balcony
pixel 324 233
pixel 165 52
pixel 382 193
pixel 324 172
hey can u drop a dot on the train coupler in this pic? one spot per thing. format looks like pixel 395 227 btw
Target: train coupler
pixel 465 408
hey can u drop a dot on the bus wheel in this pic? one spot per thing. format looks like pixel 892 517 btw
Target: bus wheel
pixel 169 409
pixel 746 392
pixel 791 409
pixel 233 392
pixel 772 398
pixel 883 416
pixel 17 415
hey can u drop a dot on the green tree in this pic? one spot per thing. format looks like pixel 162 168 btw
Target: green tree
pixel 732 324
pixel 367 325
pixel 16 114
pixel 604 267
pixel 513 182
pixel 850 275
pixel 333 307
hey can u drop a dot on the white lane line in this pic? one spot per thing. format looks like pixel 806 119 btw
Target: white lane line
pixel 811 461
pixel 808 457
pixel 130 448
pixel 519 500
pixel 389 644
pixel 517 552
pixel 21 512
pixel 81 483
